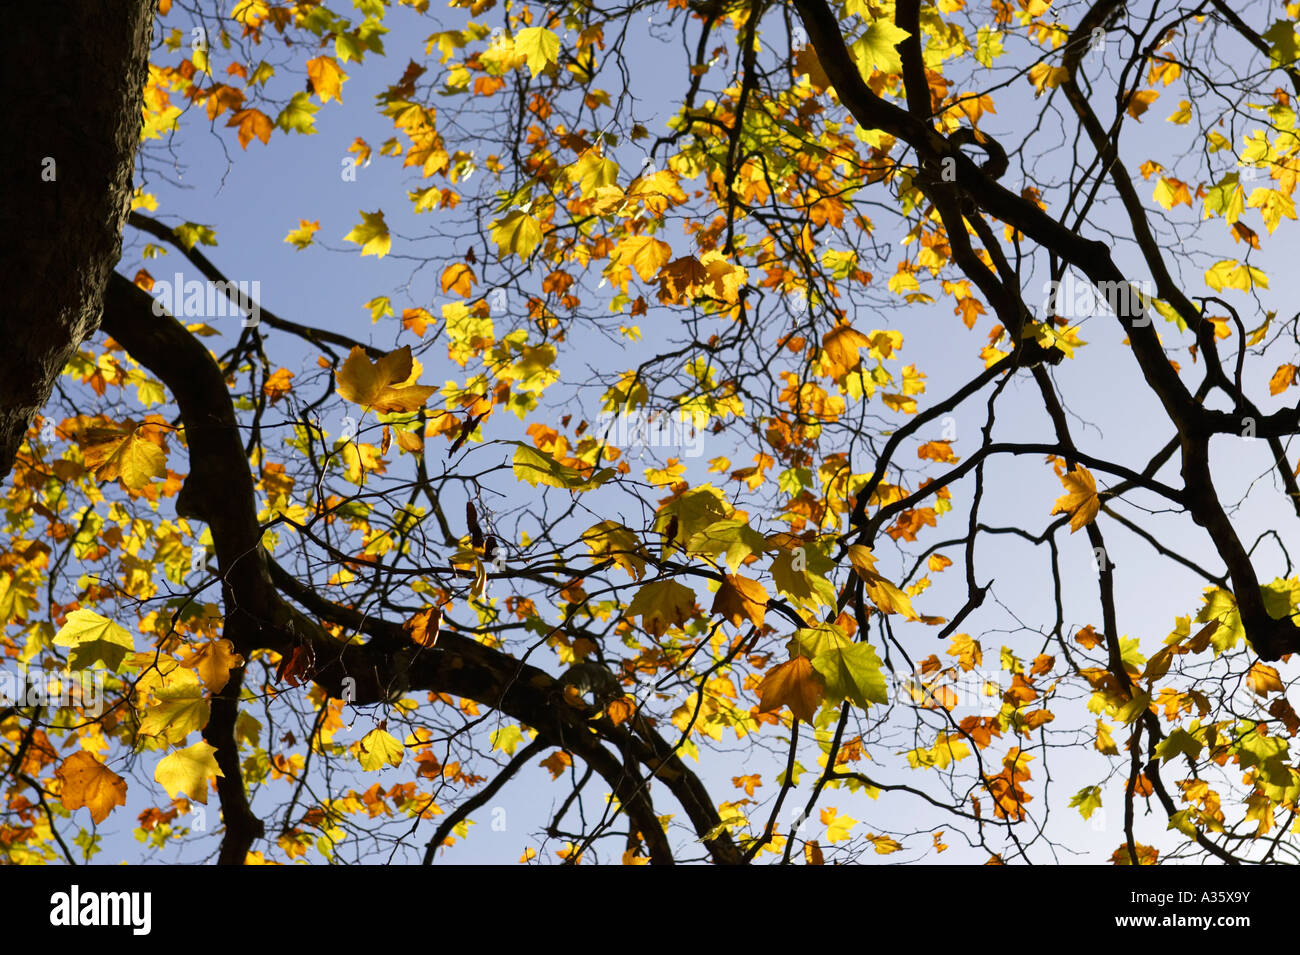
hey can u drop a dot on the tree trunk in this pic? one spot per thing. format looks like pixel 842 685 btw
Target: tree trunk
pixel 74 77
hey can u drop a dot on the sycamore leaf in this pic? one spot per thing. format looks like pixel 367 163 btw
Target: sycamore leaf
pixel 610 540
pixel 372 234
pixel 179 711
pixel 1087 801
pixel 299 115
pixel 887 597
pixel 644 254
pixel 326 78
pixel 189 771
pixel 111 454
pixel 301 237
pixel 876 49
pixel 1081 503
pixel 837 826
pixel 88 782
pixel 94 639
pixel 537 467
pixel 385 385
pixel 852 673
pixel 740 599
pixel 379 748
pixel 506 739
pixel 214 661
pixel 1264 679
pixel 1282 379
pixel 794 684
pixel 540 45
pixel 518 232
pixel 662 604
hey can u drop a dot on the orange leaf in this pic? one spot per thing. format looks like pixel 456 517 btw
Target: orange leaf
pixel 794 684
pixel 88 782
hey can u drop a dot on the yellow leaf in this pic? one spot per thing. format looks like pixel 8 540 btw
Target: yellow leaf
pixel 372 234
pixel 326 78
pixel 1264 679
pixel 518 232
pixel 888 598
pixel 644 254
pixel 378 748
pixel 1140 102
pixel 837 826
pixel 94 639
pixel 794 684
pixel 384 385
pixel 539 45
pixel 177 713
pixel 1046 77
pixel 189 771
pixel 125 455
pixel 88 782
pixel 1282 379
pixel 1081 503
pixel 214 661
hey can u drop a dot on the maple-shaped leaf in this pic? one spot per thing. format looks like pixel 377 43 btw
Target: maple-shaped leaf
pixel 887 597
pixel 537 467
pixel 424 626
pixel 189 771
pixel 124 454
pixel 88 782
pixel 1140 102
pixel 852 673
pixel 740 599
pixel 1264 679
pixel 877 47
pixel 837 824
pixel 299 115
pixel 214 661
pixel 94 639
pixel 1081 503
pixel 301 237
pixel 326 78
pixel 610 540
pixel 379 748
pixel 384 385
pixel 506 739
pixel 371 234
pixel 841 345
pixel 251 123
pixel 539 45
pixel 794 684
pixel 620 710
pixel 1282 379
pixel 643 254
pixel 518 232
pixel 178 712
pixel 662 604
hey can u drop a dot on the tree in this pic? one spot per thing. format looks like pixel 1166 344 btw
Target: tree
pixel 71 169
pixel 878 636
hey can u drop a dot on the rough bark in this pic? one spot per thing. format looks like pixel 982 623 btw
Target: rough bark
pixel 75 75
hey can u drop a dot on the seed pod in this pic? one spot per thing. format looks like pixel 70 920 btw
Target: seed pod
pixel 471 520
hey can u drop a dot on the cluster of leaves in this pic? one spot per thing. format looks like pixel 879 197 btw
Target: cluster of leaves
pixel 663 611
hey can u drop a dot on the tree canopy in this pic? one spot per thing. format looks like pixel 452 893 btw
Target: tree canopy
pixel 807 432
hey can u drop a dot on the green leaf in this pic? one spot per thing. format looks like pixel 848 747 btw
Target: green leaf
pixel 852 673
pixel 1179 741
pixel 875 49
pixel 189 233
pixel 1087 801
pixel 537 467
pixel 299 115
pixel 94 639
